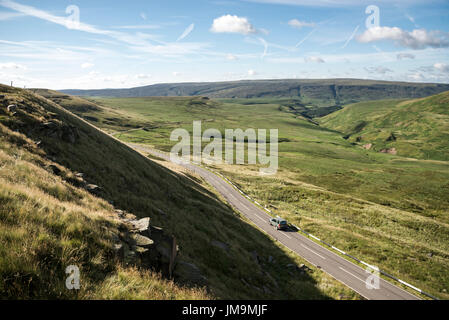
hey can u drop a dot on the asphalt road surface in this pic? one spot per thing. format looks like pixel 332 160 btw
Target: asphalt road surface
pixel 341 269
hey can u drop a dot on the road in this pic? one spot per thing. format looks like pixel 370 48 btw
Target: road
pixel 341 269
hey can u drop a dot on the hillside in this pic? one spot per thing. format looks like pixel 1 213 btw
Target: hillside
pixel 317 92
pixel 416 128
pixel 66 189
pixel 388 210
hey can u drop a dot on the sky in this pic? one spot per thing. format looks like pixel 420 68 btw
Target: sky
pixel 82 44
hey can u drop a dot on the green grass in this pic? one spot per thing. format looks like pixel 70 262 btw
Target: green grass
pixel 47 222
pixel 388 210
pixel 417 128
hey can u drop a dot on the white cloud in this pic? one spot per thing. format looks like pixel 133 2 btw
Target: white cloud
pixel 232 24
pixel 378 69
pixel 143 76
pixel 416 39
pixel 231 57
pixel 143 15
pixel 186 32
pixel 252 72
pixel 441 67
pixel 176 74
pixel 12 66
pixel 10 15
pixel 314 59
pixel 87 65
pixel 295 23
pixel 401 56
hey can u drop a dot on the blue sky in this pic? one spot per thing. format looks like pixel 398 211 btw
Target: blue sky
pixel 114 44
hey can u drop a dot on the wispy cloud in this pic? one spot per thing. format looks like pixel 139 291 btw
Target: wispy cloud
pixel 137 41
pixel 186 32
pixel 305 38
pixel 314 59
pixel 295 23
pixel 351 37
pixel 10 15
pixel 402 56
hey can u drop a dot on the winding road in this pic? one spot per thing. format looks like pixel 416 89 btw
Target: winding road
pixel 341 269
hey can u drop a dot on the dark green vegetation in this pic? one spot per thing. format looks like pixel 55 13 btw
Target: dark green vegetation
pixel 320 93
pixel 415 128
pixel 388 210
pixel 47 221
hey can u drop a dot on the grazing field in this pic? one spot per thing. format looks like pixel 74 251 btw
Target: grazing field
pixel 389 210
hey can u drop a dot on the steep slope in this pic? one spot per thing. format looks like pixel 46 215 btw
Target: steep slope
pixel 414 128
pixel 49 221
pixel 321 92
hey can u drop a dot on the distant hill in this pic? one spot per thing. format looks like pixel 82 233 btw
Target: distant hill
pixel 416 128
pixel 319 92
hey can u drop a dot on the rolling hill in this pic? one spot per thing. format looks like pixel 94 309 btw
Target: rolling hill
pixel 317 92
pixel 416 128
pixel 388 210
pixel 68 192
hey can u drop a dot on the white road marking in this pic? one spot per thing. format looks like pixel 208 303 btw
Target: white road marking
pixel 260 218
pixel 352 274
pixel 319 255
pixel 286 235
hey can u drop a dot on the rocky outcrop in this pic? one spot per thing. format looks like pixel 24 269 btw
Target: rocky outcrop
pixel 367 146
pixel 139 243
pixel 389 151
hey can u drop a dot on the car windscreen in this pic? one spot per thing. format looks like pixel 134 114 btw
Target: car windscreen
pixel 283 222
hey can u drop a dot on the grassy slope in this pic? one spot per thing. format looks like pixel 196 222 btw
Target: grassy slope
pixel 388 210
pixel 48 223
pixel 420 127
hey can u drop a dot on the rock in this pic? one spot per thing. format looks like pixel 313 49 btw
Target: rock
pixel 367 146
pixel 94 189
pixel 142 225
pixel 141 241
pixel 389 151
pixel 80 175
pixel 220 245
pixel 119 250
pixel 430 254
pixel 12 108
pixel 141 250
